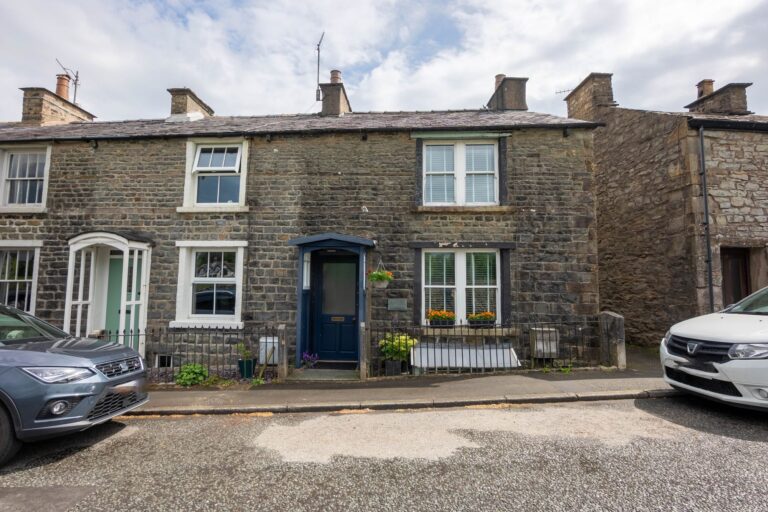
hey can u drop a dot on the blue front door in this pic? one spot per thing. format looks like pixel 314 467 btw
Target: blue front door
pixel 334 307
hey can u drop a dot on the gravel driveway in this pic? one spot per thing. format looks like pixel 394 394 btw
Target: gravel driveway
pixel 665 454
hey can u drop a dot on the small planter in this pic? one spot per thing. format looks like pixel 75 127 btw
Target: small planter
pixel 393 368
pixel 380 284
pixel 481 325
pixel 246 368
pixel 442 323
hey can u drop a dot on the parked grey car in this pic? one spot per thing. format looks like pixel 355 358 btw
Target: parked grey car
pixel 53 384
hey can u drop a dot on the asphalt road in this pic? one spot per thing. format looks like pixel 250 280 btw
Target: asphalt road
pixel 674 454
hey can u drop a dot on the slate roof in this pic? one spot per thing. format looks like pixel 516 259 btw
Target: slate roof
pixel 749 122
pixel 466 120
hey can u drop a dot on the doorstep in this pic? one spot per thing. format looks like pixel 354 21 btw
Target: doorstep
pixel 319 374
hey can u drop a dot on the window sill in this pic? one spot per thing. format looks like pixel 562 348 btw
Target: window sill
pixel 465 209
pixel 213 209
pixel 205 324
pixel 23 209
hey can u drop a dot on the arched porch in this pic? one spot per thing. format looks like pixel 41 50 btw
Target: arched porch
pixel 107 282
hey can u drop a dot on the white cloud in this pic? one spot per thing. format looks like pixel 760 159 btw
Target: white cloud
pixel 257 57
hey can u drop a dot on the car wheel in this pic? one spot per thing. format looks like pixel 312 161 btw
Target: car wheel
pixel 9 445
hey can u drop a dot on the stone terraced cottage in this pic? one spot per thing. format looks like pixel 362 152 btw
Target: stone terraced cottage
pixel 662 259
pixel 205 221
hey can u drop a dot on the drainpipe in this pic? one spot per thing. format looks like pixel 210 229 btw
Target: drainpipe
pixel 703 174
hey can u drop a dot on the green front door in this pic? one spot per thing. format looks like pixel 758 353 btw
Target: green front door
pixel 114 284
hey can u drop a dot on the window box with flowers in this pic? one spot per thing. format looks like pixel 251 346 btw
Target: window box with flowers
pixel 380 278
pixel 441 318
pixel 483 319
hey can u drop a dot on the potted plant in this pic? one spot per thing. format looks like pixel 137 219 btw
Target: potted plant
pixel 309 360
pixel 482 319
pixel 246 363
pixel 380 278
pixel 395 348
pixel 441 318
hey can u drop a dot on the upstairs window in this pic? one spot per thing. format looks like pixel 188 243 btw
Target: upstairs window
pixel 460 173
pixel 216 175
pixel 24 176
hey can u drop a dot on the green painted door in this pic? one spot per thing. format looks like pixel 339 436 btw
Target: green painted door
pixel 114 283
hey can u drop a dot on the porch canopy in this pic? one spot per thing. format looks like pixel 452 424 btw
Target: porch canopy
pixel 353 245
pixel 107 280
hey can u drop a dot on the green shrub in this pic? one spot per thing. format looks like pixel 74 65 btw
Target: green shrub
pixel 191 375
pixel 396 346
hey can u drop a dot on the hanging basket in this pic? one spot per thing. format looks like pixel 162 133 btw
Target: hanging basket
pixel 380 284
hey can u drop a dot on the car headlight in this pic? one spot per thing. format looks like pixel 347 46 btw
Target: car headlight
pixel 749 351
pixel 58 374
pixel 666 337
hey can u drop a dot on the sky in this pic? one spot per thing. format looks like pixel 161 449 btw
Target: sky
pixel 253 57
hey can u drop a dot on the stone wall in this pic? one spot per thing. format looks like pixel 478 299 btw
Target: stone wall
pixel 651 242
pixel 737 181
pixel 646 221
pixel 303 185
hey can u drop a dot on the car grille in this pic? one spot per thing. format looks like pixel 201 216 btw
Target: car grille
pixel 112 403
pixel 713 385
pixel 120 367
pixel 708 351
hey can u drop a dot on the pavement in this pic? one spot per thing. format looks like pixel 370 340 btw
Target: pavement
pixel 642 379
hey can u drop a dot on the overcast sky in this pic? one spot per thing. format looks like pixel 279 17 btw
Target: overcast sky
pixel 251 57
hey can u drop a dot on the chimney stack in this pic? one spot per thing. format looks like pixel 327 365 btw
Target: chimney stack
pixel 42 107
pixel 499 78
pixel 335 100
pixel 729 100
pixel 705 87
pixel 509 94
pixel 186 106
pixel 62 86
pixel 587 100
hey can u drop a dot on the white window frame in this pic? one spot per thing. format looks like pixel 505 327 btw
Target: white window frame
pixel 460 171
pixel 27 245
pixel 460 281
pixel 5 160
pixel 193 148
pixel 184 316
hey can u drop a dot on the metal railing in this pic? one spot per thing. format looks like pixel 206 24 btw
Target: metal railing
pixel 225 353
pixel 397 349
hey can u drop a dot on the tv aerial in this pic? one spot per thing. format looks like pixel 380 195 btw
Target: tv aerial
pixel 318 93
pixel 74 76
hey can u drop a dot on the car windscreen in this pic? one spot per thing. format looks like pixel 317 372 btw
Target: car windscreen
pixel 17 327
pixel 756 304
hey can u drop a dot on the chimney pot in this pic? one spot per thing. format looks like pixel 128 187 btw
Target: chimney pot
pixel 499 78
pixel 62 86
pixel 705 87
pixel 335 76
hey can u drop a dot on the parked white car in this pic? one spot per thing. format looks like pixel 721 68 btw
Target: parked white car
pixel 723 356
